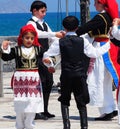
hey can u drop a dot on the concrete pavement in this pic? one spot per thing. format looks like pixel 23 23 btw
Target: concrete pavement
pixel 7 114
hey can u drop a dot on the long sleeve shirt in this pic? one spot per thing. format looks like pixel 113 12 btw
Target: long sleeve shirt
pixel 116 32
pixel 89 50
pixel 43 34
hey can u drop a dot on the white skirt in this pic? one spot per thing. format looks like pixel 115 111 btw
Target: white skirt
pixel 28 95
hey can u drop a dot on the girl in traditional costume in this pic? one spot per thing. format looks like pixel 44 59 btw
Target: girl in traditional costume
pixel 102 70
pixel 26 83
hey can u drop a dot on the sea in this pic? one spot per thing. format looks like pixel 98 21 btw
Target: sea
pixel 10 24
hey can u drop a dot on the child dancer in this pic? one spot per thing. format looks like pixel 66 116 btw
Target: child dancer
pixel 102 70
pixel 45 37
pixel 28 96
pixel 73 50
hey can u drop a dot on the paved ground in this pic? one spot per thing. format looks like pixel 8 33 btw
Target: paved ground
pixel 7 114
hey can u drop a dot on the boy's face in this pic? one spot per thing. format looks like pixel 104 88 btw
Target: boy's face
pixel 40 13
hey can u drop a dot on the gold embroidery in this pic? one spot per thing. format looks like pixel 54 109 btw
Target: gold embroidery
pixel 28 56
pixel 105 23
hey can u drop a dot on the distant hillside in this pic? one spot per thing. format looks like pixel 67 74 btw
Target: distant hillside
pixel 14 6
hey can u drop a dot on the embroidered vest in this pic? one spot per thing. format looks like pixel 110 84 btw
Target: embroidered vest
pixel 24 62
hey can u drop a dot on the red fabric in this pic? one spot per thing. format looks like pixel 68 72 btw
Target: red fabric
pixel 101 39
pixel 26 70
pixel 114 58
pixel 28 28
pixel 113 53
pixel 12 81
pixel 51 69
pixel 111 7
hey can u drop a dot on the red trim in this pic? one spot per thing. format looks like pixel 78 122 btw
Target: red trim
pixel 99 39
pixel 26 70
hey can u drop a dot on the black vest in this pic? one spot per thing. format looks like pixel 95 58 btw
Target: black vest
pixel 73 60
pixel 42 41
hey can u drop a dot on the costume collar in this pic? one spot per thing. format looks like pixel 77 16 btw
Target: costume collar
pixel 71 33
pixel 103 11
pixel 37 19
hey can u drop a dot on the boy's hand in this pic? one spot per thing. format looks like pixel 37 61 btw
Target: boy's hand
pixel 5 44
pixel 116 21
pixel 60 34
pixel 51 69
pixel 47 61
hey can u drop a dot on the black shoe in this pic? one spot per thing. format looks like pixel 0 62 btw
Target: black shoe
pixel 108 116
pixel 47 114
pixel 105 118
pixel 115 113
pixel 40 116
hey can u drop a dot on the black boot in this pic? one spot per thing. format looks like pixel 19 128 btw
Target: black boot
pixel 83 118
pixel 65 116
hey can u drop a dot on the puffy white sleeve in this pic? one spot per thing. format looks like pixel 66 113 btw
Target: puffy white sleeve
pixel 93 52
pixel 7 51
pixel 115 32
pixel 53 50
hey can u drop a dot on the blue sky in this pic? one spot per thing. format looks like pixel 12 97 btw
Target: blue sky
pixel 16 6
pixel 53 5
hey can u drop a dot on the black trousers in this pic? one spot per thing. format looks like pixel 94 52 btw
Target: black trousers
pixel 46 78
pixel 76 85
pixel 47 82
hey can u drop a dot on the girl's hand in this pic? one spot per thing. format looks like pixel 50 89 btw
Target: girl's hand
pixel 5 44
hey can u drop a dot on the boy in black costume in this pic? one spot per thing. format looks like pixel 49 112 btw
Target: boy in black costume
pixel 73 50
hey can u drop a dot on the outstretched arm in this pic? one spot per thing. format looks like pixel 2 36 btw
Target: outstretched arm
pixel 91 51
pixel 47 57
pixel 53 50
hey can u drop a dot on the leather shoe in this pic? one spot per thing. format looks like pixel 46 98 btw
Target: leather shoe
pixel 108 116
pixel 47 114
pixel 105 118
pixel 40 116
pixel 115 113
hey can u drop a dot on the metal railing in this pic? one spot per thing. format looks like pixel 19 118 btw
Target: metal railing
pixel 6 66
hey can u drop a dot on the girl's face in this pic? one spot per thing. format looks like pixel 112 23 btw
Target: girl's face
pixel 40 13
pixel 99 7
pixel 28 39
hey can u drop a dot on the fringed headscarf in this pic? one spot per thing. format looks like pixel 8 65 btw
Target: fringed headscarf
pixel 24 30
pixel 111 7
